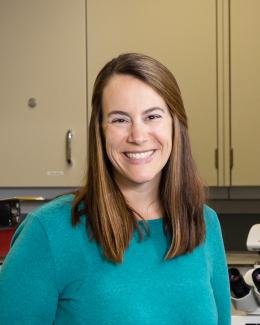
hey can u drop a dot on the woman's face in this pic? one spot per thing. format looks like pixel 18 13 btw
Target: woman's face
pixel 138 130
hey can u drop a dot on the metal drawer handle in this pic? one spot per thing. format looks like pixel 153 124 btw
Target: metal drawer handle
pixel 68 147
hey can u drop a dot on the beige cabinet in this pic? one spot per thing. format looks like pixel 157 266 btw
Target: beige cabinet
pixel 182 35
pixel 244 91
pixel 43 93
pixel 211 46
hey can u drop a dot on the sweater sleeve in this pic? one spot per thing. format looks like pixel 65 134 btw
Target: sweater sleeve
pixel 218 268
pixel 28 293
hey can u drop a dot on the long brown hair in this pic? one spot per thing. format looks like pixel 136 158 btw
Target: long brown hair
pixel 110 220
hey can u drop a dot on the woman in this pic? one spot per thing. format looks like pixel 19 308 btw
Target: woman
pixel 143 249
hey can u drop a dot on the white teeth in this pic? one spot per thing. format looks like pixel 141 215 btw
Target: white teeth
pixel 139 155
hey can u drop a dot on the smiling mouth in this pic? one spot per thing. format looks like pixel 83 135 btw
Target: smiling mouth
pixel 139 155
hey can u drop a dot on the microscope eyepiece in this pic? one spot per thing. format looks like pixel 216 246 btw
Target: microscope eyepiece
pixel 237 283
pixel 256 278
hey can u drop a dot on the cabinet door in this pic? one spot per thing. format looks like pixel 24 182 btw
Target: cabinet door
pixel 180 34
pixel 43 92
pixel 245 94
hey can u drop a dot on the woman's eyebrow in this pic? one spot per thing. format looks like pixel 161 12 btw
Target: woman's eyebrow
pixel 149 110
pixel 117 112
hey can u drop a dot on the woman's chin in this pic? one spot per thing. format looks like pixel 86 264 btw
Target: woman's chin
pixel 140 179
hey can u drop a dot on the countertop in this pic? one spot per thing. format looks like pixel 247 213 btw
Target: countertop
pixel 243 258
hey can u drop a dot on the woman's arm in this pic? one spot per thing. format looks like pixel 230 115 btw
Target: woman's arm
pixel 218 268
pixel 28 293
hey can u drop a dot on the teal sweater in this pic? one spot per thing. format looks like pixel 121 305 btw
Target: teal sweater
pixel 54 274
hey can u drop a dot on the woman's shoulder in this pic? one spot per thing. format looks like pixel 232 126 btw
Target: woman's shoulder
pixel 209 214
pixel 210 218
pixel 213 227
pixel 48 230
pixel 55 207
pixel 52 222
pixel 51 215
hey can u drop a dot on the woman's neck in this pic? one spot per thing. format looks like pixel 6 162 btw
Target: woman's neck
pixel 143 198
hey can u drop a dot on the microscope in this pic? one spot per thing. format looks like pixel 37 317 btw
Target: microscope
pixel 245 289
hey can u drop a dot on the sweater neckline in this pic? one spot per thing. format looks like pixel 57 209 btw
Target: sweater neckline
pixel 151 221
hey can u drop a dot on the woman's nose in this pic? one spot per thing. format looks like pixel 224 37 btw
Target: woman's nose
pixel 137 133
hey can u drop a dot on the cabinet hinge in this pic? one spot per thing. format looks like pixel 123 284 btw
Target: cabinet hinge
pixel 231 163
pixel 216 158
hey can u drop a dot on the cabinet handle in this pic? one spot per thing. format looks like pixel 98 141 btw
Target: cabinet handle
pixel 231 158
pixel 216 158
pixel 68 147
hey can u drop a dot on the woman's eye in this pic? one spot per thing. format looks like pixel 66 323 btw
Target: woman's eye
pixel 153 117
pixel 119 120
